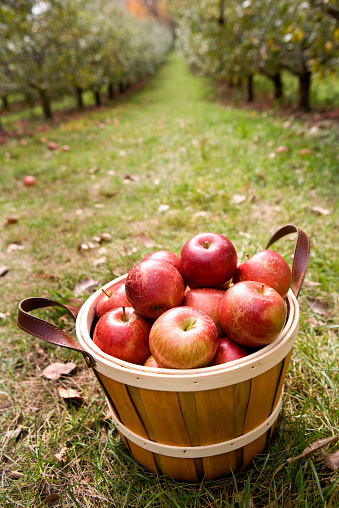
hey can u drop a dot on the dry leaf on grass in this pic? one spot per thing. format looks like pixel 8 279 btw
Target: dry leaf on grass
pixel 62 455
pixel 14 475
pixel 71 394
pixel 55 370
pixel 3 270
pixel 50 500
pixel 237 198
pixel 12 247
pixel 310 284
pixel 13 434
pixel 10 220
pixel 320 211
pixel 85 286
pixel 313 448
pixel 331 460
pixel 318 307
pixel 146 239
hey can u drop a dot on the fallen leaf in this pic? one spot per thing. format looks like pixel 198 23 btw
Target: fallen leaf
pixel 331 460
pixel 10 220
pixel 50 500
pixel 163 208
pixel 320 211
pixel 14 475
pixel 85 286
pixel 13 434
pixel 99 261
pixel 70 393
pixel 3 270
pixel 310 284
pixel 105 237
pixel 55 370
pixel 146 239
pixel 305 151
pixel 4 315
pixel 237 198
pixel 130 178
pixel 318 307
pixel 282 149
pixel 13 247
pixel 62 455
pixel 314 447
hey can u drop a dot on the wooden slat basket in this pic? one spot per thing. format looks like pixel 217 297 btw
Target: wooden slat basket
pixel 190 424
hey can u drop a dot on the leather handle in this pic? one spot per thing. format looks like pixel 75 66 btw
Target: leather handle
pixel 47 331
pixel 301 254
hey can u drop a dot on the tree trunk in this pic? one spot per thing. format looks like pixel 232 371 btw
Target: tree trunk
pixel 97 96
pixel 278 86
pixel 5 102
pixel 46 104
pixel 304 91
pixel 80 100
pixel 250 91
pixel 110 91
pixel 122 88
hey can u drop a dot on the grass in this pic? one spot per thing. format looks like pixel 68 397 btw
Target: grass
pixel 166 144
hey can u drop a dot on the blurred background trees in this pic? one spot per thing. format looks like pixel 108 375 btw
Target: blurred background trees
pixel 233 41
pixel 51 48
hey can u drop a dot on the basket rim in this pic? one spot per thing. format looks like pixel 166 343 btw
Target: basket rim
pixel 139 375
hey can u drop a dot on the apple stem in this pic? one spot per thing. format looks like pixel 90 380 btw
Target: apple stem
pixel 190 325
pixel 206 244
pixel 105 293
pixel 262 289
pixel 248 256
pixel 123 313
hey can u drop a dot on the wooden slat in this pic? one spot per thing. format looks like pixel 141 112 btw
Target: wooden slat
pixel 128 415
pixel 189 414
pixel 219 465
pixel 263 389
pixel 143 457
pixel 179 469
pixel 215 415
pixel 164 413
pixel 283 372
pixel 241 395
pixel 139 405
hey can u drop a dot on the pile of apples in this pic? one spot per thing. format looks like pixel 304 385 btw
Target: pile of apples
pixel 198 309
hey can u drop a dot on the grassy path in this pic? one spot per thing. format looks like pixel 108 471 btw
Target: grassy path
pixel 152 170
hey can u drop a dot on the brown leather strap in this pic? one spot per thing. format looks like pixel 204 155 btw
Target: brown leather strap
pixel 301 254
pixel 46 331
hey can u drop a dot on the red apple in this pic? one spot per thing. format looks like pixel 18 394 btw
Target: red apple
pixel 266 266
pixel 52 146
pixel 164 255
pixel 207 300
pixel 112 298
pixel 252 314
pixel 29 180
pixel 227 351
pixel 152 287
pixel 123 333
pixel 208 260
pixel 183 338
pixel 150 362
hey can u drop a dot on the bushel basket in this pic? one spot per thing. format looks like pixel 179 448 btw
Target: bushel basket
pixel 188 424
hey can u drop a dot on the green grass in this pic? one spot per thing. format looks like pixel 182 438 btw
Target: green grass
pixel 192 154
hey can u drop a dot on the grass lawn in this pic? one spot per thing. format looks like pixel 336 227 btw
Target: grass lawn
pixel 147 173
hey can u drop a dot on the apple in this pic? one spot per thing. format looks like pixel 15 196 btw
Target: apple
pixel 227 351
pixel 252 314
pixel 164 255
pixel 29 180
pixel 52 145
pixel 266 266
pixel 183 338
pixel 152 287
pixel 207 300
pixel 208 260
pixel 112 297
pixel 150 362
pixel 123 333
